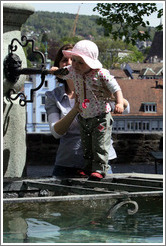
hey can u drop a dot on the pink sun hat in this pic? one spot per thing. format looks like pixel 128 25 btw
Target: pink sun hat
pixel 88 51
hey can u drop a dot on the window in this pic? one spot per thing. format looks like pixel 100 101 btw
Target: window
pixel 155 125
pixel 43 117
pixel 46 83
pixel 145 126
pixel 150 107
pixel 30 78
pixel 120 125
pixel 130 125
pixel 137 125
pixel 43 100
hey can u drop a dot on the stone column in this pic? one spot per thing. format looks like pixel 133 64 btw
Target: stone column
pixel 14 116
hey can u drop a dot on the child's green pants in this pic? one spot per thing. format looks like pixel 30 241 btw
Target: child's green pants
pixel 96 139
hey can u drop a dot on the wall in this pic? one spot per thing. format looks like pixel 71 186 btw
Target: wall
pixel 135 148
pixel 130 148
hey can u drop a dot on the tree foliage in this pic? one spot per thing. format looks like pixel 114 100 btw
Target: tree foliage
pixel 124 20
pixel 108 52
pixel 44 38
pixel 60 25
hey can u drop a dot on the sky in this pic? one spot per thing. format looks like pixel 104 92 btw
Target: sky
pixel 86 8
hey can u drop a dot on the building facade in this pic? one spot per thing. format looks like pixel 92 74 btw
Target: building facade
pixel 36 114
pixel 146 106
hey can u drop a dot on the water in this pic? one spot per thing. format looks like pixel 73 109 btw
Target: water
pixel 82 222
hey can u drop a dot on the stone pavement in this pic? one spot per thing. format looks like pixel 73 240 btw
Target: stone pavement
pixel 46 170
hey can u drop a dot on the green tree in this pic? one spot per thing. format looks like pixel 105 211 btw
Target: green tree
pixel 125 19
pixel 109 49
pixel 146 50
pixel 44 38
pixel 71 40
pixel 60 25
pixel 135 56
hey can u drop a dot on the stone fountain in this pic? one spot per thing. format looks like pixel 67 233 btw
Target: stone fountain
pixel 14 116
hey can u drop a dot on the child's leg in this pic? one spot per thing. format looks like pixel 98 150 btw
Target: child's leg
pixel 101 140
pixel 86 140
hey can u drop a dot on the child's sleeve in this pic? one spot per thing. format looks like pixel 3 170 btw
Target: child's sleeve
pixel 127 109
pixel 109 80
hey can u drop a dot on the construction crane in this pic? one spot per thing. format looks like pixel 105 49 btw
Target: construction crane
pixel 75 22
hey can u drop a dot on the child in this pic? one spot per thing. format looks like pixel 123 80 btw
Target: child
pixel 94 117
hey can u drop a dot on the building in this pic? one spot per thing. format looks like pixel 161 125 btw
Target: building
pixel 146 106
pixel 36 114
pixel 120 73
pixel 156 51
pixel 144 70
pixel 149 73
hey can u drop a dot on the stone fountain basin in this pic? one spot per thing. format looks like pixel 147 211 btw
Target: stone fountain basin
pixel 115 186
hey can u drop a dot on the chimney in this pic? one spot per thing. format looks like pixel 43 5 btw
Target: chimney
pixel 157 84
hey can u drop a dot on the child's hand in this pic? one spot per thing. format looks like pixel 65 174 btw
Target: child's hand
pixel 53 69
pixel 59 71
pixel 119 108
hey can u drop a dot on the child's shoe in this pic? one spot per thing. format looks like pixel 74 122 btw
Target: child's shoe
pixel 96 176
pixel 82 174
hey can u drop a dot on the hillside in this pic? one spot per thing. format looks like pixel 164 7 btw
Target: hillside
pixel 60 25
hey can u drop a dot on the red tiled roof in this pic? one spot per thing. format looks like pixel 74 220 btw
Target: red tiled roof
pixel 137 91
pixel 118 73
pixel 140 66
pixel 147 71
